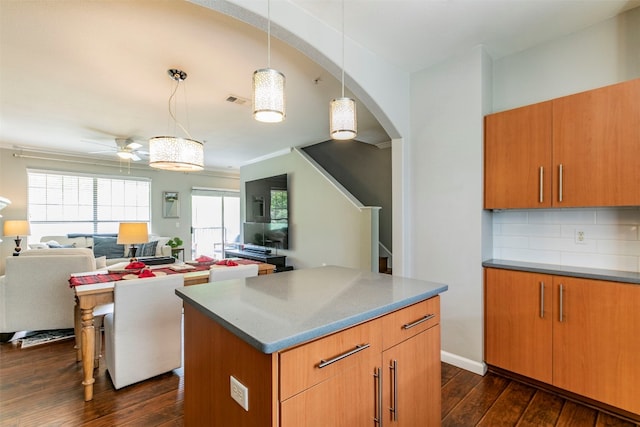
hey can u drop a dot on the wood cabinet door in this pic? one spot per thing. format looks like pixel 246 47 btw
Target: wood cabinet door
pixel 596 139
pixel 411 385
pixel 518 322
pixel 344 400
pixel 517 156
pixel 596 344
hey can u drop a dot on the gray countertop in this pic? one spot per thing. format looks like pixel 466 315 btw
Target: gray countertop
pixel 276 311
pixel 563 270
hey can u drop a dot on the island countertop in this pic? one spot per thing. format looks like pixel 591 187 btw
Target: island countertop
pixel 277 311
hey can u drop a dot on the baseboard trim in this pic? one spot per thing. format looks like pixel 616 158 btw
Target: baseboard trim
pixel 479 368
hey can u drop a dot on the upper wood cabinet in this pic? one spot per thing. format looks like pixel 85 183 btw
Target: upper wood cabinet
pixel 596 142
pixel 576 151
pixel 518 158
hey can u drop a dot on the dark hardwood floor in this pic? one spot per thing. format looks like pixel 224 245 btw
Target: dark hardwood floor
pixel 40 386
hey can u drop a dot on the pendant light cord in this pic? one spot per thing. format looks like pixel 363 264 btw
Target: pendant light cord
pixel 171 112
pixel 343 48
pixel 268 33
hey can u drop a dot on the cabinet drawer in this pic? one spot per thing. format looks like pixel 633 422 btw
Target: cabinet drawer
pixel 300 366
pixel 409 321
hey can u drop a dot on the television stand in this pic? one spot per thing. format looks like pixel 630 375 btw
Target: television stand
pixel 278 260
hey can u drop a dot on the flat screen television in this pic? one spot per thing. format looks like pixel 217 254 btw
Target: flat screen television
pixel 267 213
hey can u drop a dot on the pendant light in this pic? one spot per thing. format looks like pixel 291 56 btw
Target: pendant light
pixel 268 87
pixel 172 152
pixel 342 113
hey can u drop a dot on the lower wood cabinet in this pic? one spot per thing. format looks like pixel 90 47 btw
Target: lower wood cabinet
pixel 411 396
pixel 580 335
pixel 382 372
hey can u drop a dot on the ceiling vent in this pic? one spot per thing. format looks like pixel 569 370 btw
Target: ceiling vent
pixel 234 99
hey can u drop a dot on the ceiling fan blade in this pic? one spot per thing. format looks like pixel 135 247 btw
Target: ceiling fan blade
pixel 102 151
pixel 135 157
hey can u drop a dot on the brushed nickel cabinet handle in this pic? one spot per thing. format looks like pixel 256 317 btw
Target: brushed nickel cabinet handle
pixel 560 183
pixel 542 300
pixel 561 314
pixel 377 418
pixel 541 184
pixel 394 407
pixel 358 349
pixel 417 322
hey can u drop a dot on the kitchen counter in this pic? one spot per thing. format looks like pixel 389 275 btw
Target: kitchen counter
pixel 278 311
pixel 563 270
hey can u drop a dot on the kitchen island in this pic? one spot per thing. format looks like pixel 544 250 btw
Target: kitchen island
pixel 327 346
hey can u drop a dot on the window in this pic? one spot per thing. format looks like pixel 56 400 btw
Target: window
pixel 279 206
pixel 61 203
pixel 215 219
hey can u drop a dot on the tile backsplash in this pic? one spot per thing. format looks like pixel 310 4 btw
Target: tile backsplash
pixel 606 238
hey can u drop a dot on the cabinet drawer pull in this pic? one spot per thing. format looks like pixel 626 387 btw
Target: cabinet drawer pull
pixel 377 419
pixel 358 348
pixel 541 184
pixel 542 300
pixel 394 408
pixel 561 297
pixel 560 183
pixel 417 322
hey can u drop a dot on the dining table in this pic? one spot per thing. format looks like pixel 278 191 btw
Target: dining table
pixel 96 288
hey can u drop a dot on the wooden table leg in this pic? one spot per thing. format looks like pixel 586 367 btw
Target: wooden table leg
pixel 77 326
pixel 88 349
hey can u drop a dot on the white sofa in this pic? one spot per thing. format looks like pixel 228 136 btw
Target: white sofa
pixel 162 249
pixel 35 293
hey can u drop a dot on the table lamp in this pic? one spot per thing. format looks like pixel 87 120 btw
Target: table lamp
pixel 132 233
pixel 17 228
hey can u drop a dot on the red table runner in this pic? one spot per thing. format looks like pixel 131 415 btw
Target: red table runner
pixel 112 277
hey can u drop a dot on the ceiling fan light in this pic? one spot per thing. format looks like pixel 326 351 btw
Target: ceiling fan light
pixel 176 154
pixel 125 155
pixel 268 95
pixel 343 120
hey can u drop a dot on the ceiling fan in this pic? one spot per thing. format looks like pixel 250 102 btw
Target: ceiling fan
pixel 125 149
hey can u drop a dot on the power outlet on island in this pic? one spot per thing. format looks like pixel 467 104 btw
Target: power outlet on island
pixel 239 393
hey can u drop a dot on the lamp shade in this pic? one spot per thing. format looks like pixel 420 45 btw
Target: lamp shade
pixel 17 228
pixel 176 154
pixel 268 95
pixel 343 120
pixel 133 232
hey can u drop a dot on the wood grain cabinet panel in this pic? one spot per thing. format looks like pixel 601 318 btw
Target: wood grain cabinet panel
pixel 518 322
pixel 588 342
pixel 596 345
pixel 411 386
pixel 596 139
pixel 518 158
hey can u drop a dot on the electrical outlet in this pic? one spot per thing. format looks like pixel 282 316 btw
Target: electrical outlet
pixel 239 393
pixel 580 237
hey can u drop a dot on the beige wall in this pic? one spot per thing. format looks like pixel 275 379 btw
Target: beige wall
pixel 325 226
pixel 13 185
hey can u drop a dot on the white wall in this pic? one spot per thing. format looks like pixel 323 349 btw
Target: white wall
pixel 325 226
pixel 13 185
pixel 447 220
pixel 601 55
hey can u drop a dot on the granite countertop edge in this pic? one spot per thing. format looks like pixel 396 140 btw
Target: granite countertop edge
pixel 318 332
pixel 564 270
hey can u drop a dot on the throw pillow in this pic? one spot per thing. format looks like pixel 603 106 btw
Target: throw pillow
pixel 148 249
pixel 52 244
pixel 107 246
pixel 38 246
pixel 101 262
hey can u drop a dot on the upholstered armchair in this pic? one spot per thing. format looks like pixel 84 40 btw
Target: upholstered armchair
pixel 35 293
pixel 236 272
pixel 143 335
